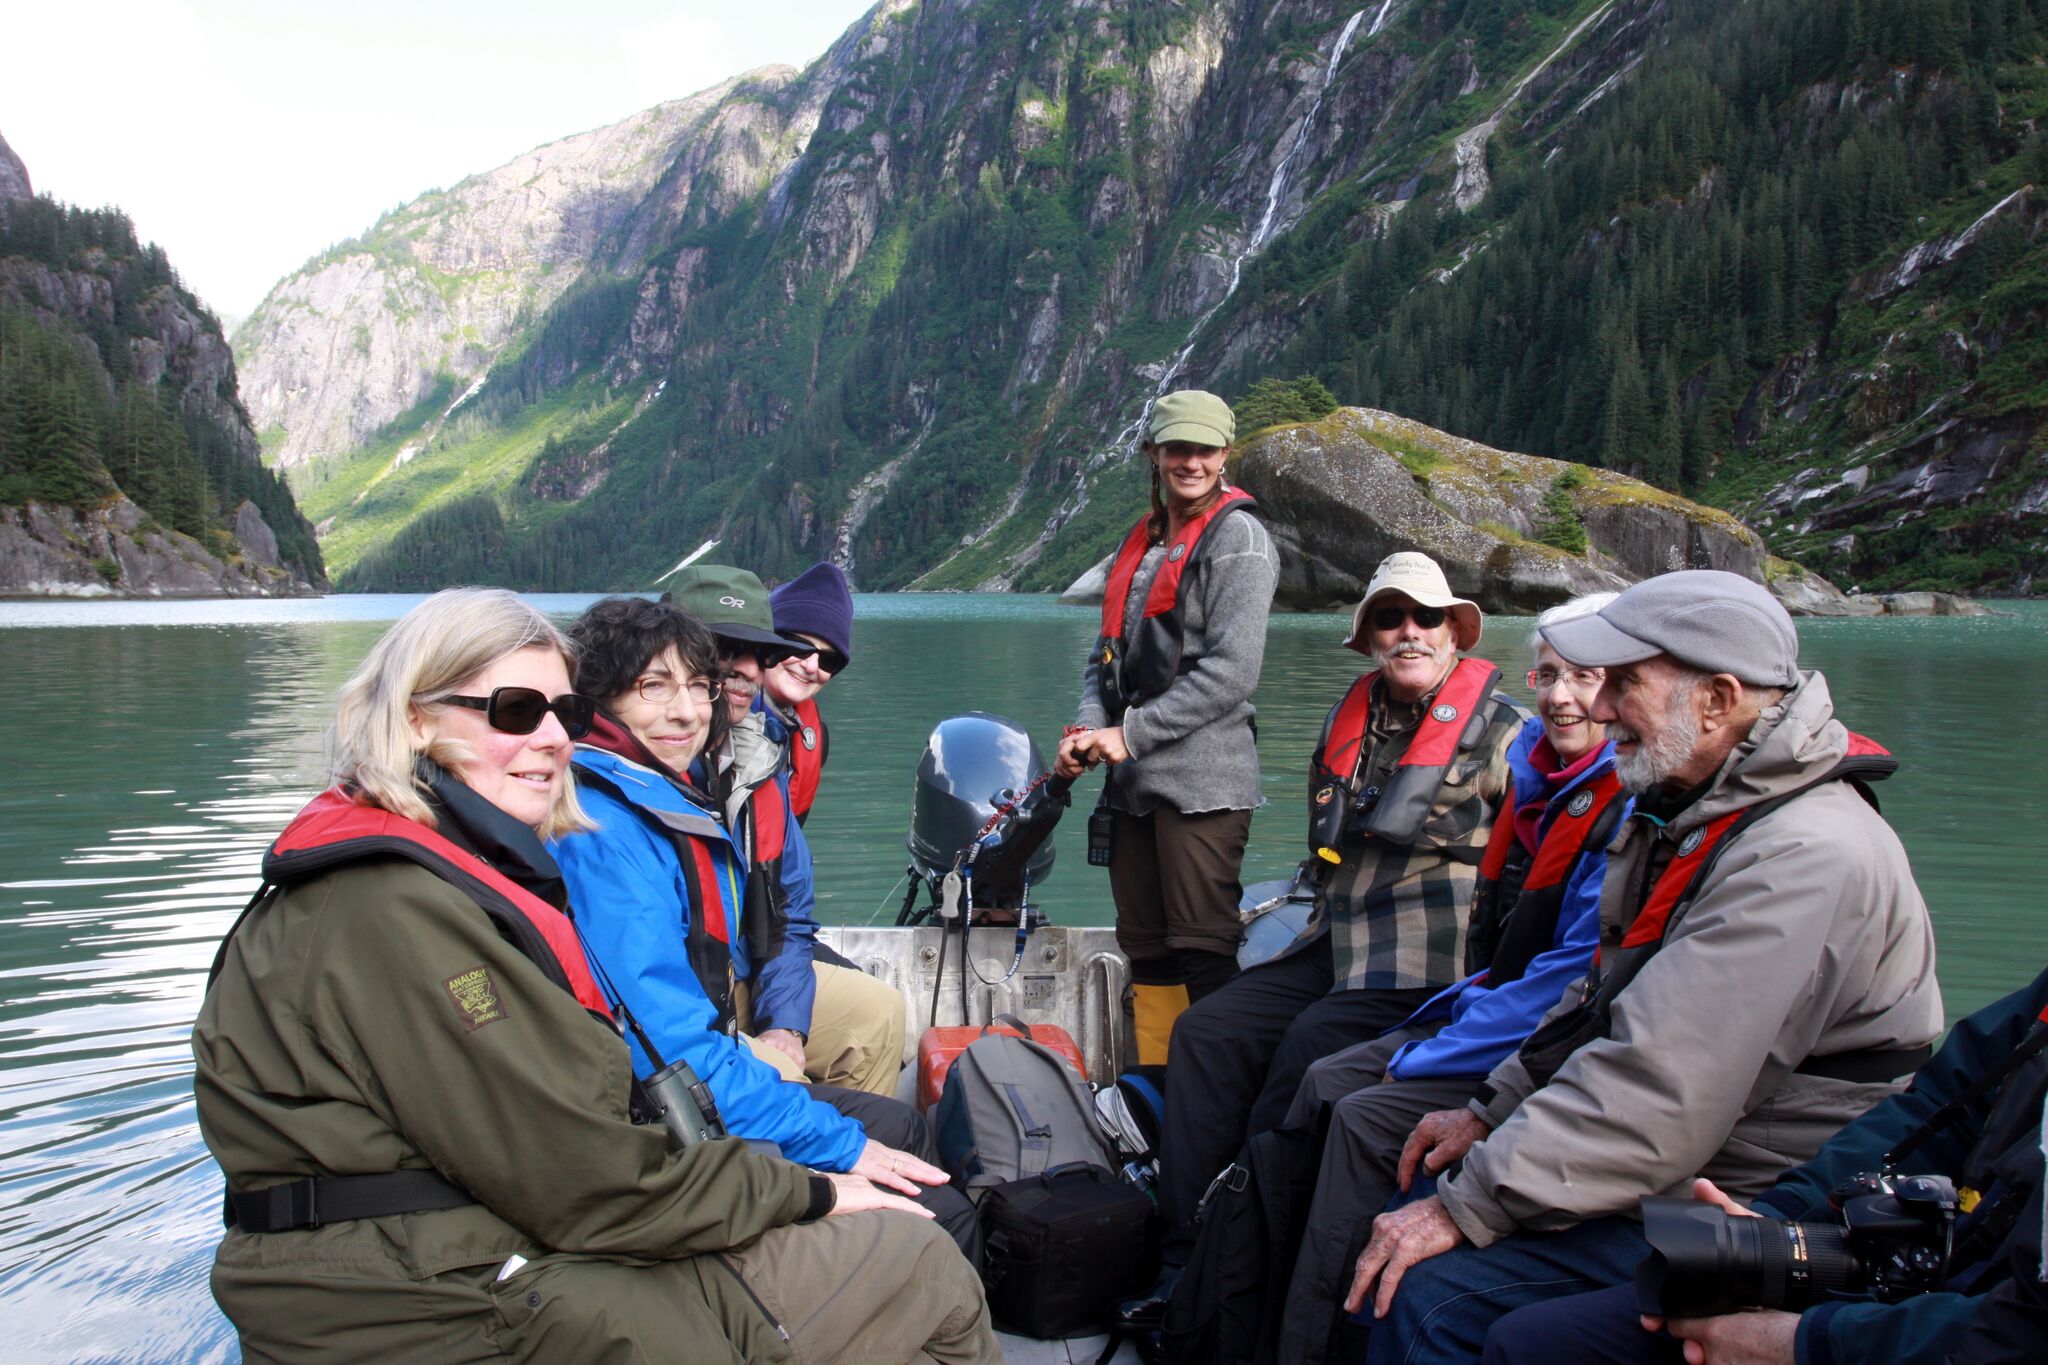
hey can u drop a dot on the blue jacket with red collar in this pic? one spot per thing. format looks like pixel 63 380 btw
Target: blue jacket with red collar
pixel 1488 1023
pixel 628 883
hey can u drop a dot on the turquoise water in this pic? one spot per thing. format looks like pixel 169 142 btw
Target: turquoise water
pixel 152 750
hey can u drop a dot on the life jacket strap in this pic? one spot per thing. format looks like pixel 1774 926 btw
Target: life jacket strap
pixel 317 1200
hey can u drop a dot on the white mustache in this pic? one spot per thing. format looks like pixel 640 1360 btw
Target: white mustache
pixel 1413 649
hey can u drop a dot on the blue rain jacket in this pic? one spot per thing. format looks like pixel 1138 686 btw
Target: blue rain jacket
pixel 625 881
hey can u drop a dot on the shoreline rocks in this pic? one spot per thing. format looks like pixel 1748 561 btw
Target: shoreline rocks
pixel 115 551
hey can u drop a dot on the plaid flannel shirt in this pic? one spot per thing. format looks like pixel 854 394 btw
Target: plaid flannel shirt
pixel 1397 913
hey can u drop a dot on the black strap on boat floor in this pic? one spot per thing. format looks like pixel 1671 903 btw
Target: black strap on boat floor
pixel 318 1200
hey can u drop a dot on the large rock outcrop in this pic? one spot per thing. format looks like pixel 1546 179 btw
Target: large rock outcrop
pixel 1343 493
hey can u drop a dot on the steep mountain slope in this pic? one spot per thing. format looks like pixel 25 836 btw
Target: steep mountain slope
pixel 127 465
pixel 911 316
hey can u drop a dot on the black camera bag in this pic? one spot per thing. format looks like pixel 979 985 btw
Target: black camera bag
pixel 1063 1246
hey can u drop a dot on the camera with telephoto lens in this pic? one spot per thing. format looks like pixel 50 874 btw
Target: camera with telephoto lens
pixel 1892 1242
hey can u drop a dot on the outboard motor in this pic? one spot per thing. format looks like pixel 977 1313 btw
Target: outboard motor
pixel 981 818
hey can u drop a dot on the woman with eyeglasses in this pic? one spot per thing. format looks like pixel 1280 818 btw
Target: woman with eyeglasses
pixel 1166 702
pixel 660 880
pixel 407 1070
pixel 816 609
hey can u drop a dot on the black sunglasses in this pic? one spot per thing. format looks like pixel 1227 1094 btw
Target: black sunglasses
pixel 1390 618
pixel 767 656
pixel 830 661
pixel 520 710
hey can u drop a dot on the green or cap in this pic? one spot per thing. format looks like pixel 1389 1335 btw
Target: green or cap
pixel 732 602
pixel 1193 416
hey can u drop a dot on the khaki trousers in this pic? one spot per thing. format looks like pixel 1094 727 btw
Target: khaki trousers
pixel 856 1034
pixel 876 1288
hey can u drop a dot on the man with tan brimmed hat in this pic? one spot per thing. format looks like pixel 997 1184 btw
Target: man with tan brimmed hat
pixel 1403 789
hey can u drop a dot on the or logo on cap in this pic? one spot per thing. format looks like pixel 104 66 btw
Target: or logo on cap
pixel 1323 797
pixel 809 737
pixel 1176 552
pixel 732 601
pixel 1445 713
pixel 1691 842
pixel 1580 804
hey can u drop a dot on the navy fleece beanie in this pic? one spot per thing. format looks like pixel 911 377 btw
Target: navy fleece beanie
pixel 816 602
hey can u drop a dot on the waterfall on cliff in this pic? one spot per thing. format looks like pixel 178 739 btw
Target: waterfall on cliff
pixel 1269 227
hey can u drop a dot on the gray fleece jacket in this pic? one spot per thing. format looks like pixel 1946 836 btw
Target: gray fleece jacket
pixel 1191 746
pixel 1808 938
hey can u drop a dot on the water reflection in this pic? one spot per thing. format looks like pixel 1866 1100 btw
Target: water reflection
pixel 160 746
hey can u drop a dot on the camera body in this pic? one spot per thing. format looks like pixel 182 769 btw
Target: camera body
pixel 1892 1242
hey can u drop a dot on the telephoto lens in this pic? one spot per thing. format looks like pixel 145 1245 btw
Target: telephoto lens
pixel 1703 1262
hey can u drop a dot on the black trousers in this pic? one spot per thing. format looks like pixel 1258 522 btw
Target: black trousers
pixel 895 1124
pixel 1366 1121
pixel 1236 1060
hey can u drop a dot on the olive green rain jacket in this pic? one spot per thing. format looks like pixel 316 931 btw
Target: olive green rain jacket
pixel 349 1034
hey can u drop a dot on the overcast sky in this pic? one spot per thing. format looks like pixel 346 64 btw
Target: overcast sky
pixel 247 135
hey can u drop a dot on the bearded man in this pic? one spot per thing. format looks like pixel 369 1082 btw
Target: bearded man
pixel 1403 789
pixel 1765 975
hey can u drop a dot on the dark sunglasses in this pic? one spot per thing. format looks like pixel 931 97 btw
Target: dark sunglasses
pixel 1390 618
pixel 520 710
pixel 830 661
pixel 767 656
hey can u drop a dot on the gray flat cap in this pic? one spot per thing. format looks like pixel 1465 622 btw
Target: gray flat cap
pixel 1705 618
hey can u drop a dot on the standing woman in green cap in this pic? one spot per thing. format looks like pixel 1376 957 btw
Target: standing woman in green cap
pixel 1166 701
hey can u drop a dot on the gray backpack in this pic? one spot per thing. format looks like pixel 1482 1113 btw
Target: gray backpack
pixel 1011 1110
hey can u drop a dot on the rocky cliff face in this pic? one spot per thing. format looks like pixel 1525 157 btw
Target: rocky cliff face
pixel 14 182
pixel 435 290
pixel 907 308
pixel 117 388
pixel 115 550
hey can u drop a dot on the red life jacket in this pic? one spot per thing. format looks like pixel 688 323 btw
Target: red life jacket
pixel 810 744
pixel 333 830
pixel 1456 721
pixel 1668 896
pixel 1146 664
pixel 764 914
pixel 1678 883
pixel 1520 895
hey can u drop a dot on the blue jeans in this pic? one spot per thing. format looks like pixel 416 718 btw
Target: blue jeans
pixel 1601 1328
pixel 1446 1304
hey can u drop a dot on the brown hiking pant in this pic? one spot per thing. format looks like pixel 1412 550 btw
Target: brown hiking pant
pixel 1175 880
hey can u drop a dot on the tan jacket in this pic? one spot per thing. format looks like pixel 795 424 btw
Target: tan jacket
pixel 1809 937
